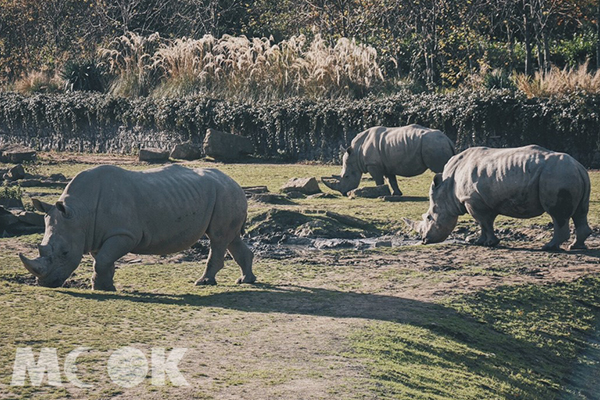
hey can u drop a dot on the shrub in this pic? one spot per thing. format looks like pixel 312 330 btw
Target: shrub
pixel 498 79
pixel 39 82
pixel 560 82
pixel 236 67
pixel 129 57
pixel 299 128
pixel 83 75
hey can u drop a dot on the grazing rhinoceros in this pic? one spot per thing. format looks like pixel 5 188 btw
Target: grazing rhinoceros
pixel 380 151
pixel 109 212
pixel 521 182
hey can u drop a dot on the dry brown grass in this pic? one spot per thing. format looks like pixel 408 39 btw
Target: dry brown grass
pixel 39 81
pixel 130 58
pixel 557 82
pixel 239 67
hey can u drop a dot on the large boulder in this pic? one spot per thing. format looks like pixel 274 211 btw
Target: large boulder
pixel 15 173
pixel 16 154
pixel 186 151
pixel 226 146
pixel 306 186
pixel 153 155
pixel 370 192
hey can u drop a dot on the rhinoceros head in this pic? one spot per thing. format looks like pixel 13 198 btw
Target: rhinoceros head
pixel 438 222
pixel 62 247
pixel 351 174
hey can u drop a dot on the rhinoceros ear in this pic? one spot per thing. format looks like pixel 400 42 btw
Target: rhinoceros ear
pixel 64 209
pixel 41 206
pixel 437 180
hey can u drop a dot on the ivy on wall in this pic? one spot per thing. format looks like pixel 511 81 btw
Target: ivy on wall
pixel 298 129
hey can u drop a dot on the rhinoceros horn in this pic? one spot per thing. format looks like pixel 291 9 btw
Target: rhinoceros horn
pixel 37 267
pixel 416 226
pixel 331 182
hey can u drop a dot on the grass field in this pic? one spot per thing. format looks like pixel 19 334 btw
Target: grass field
pixel 447 321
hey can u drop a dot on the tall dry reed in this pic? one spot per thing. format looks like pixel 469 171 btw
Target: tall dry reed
pixel 130 58
pixel 239 67
pixel 558 82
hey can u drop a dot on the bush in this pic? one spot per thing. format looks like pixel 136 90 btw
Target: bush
pixel 300 129
pixel 236 67
pixel 498 79
pixel 83 75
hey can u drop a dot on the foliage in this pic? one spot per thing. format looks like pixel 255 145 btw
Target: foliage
pixel 10 192
pixel 498 79
pixel 130 58
pixel 559 82
pixel 296 129
pixel 83 75
pixel 39 82
pixel 438 42
pixel 238 67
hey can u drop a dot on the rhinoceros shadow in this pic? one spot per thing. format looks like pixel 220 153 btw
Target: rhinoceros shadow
pixel 288 299
pixel 404 198
pixel 496 348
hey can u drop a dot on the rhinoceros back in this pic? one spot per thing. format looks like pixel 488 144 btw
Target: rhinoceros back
pixel 406 151
pixel 519 182
pixel 164 209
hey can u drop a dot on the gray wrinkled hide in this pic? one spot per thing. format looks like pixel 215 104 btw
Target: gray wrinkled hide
pixel 521 182
pixel 388 152
pixel 108 212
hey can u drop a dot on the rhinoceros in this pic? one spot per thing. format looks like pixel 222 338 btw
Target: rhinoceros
pixel 522 182
pixel 108 212
pixel 387 152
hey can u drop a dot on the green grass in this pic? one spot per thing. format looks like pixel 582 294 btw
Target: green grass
pixel 521 341
pixel 526 341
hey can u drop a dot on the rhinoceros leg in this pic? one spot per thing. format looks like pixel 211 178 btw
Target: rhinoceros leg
pixel 485 218
pixel 394 184
pixel 376 173
pixel 111 250
pixel 561 234
pixel 216 261
pixel 243 256
pixel 582 230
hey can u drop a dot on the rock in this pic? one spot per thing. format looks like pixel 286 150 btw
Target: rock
pixel 226 146
pixel 295 194
pixel 271 198
pixel 15 173
pixel 307 186
pixel 16 154
pixel 250 190
pixel 11 202
pixel 153 155
pixel 186 151
pixel 370 192
pixel 57 177
pixel 6 219
pixel 31 218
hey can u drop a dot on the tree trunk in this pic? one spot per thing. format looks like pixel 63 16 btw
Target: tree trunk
pixel 598 35
pixel 527 38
